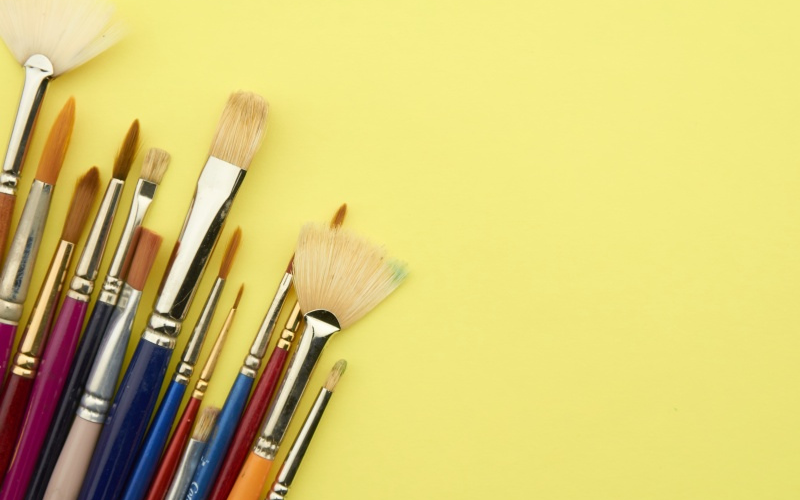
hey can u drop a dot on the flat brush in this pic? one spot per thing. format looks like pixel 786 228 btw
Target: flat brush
pixel 57 356
pixel 48 38
pixel 291 464
pixel 238 137
pixel 17 387
pixel 154 166
pixel 15 278
pixel 191 456
pixel 339 277
pixel 257 406
pixel 156 438
pixel 74 457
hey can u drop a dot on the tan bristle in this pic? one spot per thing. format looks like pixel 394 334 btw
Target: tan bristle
pixel 338 218
pixel 143 258
pixel 155 165
pixel 238 297
pixel 205 424
pixel 342 273
pixel 241 129
pixel 336 373
pixel 80 205
pixel 230 253
pixel 55 149
pixel 126 153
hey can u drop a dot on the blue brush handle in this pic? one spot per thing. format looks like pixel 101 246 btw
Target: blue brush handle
pixel 153 447
pixel 217 447
pixel 122 434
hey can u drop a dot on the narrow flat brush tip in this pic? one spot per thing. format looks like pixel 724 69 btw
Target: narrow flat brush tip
pixel 127 152
pixel 336 373
pixel 205 424
pixel 80 205
pixel 238 297
pixel 230 253
pixel 338 218
pixel 55 149
pixel 143 258
pixel 241 129
pixel 155 165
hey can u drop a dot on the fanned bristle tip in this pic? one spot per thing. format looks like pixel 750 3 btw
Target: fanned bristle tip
pixel 67 32
pixel 155 165
pixel 55 149
pixel 81 204
pixel 205 424
pixel 143 258
pixel 241 129
pixel 336 373
pixel 230 253
pixel 338 218
pixel 342 273
pixel 127 152
pixel 238 297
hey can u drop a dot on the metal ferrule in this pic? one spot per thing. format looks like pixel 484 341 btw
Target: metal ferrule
pixel 191 352
pixel 285 477
pixel 216 188
pixel 15 279
pixel 82 283
pixel 290 330
pixel 26 361
pixel 186 468
pixel 320 325
pixel 252 362
pixel 99 391
pixel 208 369
pixel 38 73
pixel 142 198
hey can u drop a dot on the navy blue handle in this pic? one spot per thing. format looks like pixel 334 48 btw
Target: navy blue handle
pixel 217 447
pixel 153 447
pixel 122 434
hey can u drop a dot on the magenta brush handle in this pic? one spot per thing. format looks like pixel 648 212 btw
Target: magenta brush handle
pixel 53 370
pixel 7 334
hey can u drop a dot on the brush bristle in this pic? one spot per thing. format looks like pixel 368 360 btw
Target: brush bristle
pixel 238 296
pixel 338 218
pixel 155 165
pixel 230 253
pixel 80 205
pixel 336 373
pixel 126 264
pixel 241 129
pixel 55 149
pixel 126 153
pixel 143 258
pixel 67 32
pixel 205 424
pixel 342 273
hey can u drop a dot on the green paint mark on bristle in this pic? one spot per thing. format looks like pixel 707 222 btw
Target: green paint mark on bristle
pixel 399 270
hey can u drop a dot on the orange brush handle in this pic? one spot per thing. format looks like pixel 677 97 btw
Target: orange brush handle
pixel 6 213
pixel 252 478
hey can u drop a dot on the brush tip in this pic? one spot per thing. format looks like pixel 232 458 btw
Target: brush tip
pixel 230 253
pixel 127 152
pixel 336 373
pixel 55 149
pixel 155 165
pixel 338 218
pixel 144 255
pixel 81 204
pixel 238 296
pixel 205 424
pixel 241 129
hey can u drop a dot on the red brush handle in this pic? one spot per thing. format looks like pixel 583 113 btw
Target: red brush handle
pixel 172 455
pixel 12 410
pixel 249 425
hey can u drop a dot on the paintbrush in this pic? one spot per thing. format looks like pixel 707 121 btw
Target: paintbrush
pixel 191 456
pixel 17 386
pixel 15 279
pixel 153 169
pixel 238 137
pixel 61 343
pixel 157 434
pixel 74 457
pixel 339 277
pixel 291 463
pixel 257 406
pixel 48 38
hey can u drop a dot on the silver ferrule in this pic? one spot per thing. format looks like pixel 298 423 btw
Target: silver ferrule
pixel 99 391
pixel 88 265
pixel 320 325
pixel 216 188
pixel 252 362
pixel 142 198
pixel 15 279
pixel 285 477
pixel 185 471
pixel 191 352
pixel 38 73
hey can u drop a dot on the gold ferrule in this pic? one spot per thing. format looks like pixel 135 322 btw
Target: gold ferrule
pixel 290 329
pixel 211 363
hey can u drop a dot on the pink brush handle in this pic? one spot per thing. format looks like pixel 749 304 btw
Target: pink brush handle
pixel 7 334
pixel 53 370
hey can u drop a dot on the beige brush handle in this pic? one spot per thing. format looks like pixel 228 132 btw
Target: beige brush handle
pixel 67 478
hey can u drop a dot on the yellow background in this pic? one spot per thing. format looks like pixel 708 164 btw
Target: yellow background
pixel 598 202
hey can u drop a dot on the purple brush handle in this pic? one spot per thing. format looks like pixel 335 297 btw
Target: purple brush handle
pixel 53 371
pixel 7 334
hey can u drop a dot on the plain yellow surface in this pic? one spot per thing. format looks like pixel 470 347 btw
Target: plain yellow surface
pixel 599 203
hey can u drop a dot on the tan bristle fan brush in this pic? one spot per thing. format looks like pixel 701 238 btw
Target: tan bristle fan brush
pixel 48 38
pixel 339 277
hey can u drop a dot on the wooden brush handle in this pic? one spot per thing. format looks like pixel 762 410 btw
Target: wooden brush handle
pixel 6 214
pixel 174 451
pixel 16 391
pixel 251 480
pixel 73 461
pixel 7 335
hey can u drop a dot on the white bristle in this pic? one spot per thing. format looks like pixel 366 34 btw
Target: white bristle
pixel 340 272
pixel 67 32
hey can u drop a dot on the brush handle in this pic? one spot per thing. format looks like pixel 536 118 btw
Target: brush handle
pixel 174 451
pixel 153 445
pixel 217 446
pixel 7 202
pixel 46 388
pixel 249 425
pixel 122 434
pixel 73 461
pixel 16 390
pixel 64 414
pixel 7 335
pixel 251 480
